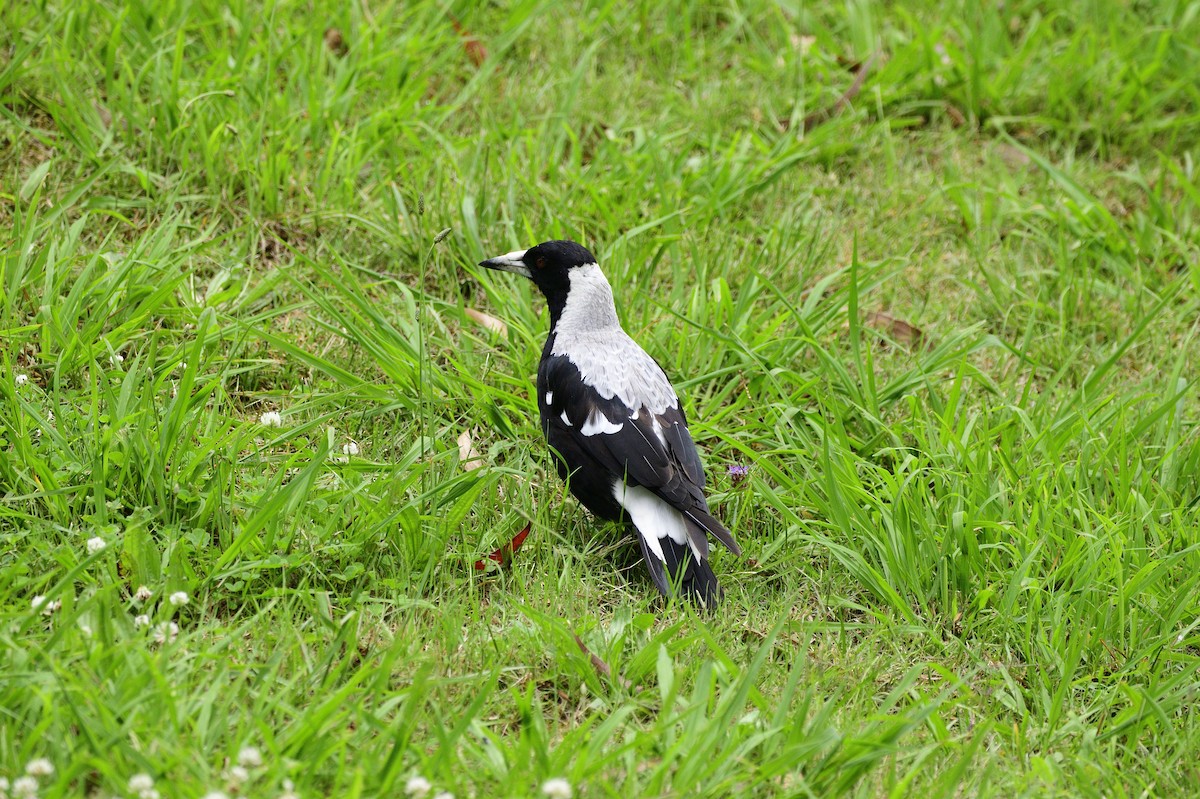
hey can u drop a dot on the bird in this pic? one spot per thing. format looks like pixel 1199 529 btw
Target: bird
pixel 614 421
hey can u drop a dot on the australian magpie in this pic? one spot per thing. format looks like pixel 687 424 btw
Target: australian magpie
pixel 609 412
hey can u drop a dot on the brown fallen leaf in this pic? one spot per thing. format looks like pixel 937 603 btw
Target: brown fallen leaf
pixel 471 44
pixel 467 455
pixel 802 43
pixel 897 329
pixel 475 51
pixel 1013 156
pixel 957 118
pixel 104 114
pixel 335 42
pixel 504 554
pixel 488 321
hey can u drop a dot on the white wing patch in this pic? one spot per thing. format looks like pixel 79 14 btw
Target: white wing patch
pixel 549 397
pixel 598 423
pixel 657 427
pixel 653 518
pixel 564 418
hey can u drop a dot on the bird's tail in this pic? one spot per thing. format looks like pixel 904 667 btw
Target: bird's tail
pixel 681 572
pixel 704 522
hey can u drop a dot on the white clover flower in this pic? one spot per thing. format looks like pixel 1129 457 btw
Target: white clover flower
pixel 238 775
pixel 143 593
pixel 289 790
pixel 140 782
pixel 149 793
pixel 141 620
pixel 443 795
pixel 3 785
pixel 940 49
pixel 96 544
pixel 25 787
pixel 557 788
pixel 271 419
pixel 21 380
pixel 47 607
pixel 417 787
pixel 350 448
pixel 166 632
pixel 39 768
pixel 250 757
pixel 50 417
pixel 117 359
pixel 178 598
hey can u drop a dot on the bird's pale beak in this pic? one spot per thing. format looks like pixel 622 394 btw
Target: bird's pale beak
pixel 509 262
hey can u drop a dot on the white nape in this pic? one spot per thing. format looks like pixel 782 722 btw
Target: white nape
pixel 589 334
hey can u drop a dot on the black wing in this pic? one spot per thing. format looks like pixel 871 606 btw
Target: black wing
pixel 652 450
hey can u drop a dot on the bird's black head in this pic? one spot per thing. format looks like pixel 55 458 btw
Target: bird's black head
pixel 548 265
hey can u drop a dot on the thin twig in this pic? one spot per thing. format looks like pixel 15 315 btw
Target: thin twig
pixel 599 665
pixel 825 114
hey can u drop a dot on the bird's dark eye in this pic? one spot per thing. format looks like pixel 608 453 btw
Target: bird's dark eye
pixel 541 261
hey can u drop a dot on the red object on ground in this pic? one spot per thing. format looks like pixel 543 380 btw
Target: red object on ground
pixel 504 554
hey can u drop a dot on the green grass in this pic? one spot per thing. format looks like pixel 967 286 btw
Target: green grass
pixel 972 560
